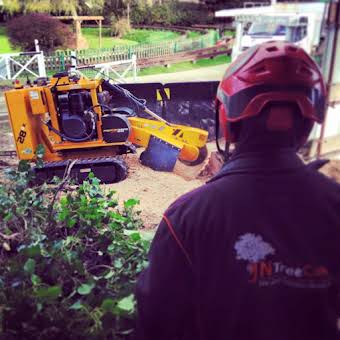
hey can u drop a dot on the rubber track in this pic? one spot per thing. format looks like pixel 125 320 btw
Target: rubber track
pixel 107 169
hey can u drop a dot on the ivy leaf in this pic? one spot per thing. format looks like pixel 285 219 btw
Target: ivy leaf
pixel 131 203
pixel 32 250
pixel 77 305
pixel 117 217
pixel 147 235
pixel 29 266
pixel 49 293
pixel 85 288
pixel 133 234
pixel 109 274
pixel 118 263
pixel 108 305
pixel 40 151
pixel 70 223
pixel 24 166
pixel 127 304
pixel 110 248
pixel 39 163
pixel 35 279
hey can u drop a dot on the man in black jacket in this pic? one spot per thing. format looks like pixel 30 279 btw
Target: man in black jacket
pixel 254 254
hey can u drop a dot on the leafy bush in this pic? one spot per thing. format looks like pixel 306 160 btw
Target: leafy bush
pixel 50 32
pixel 141 14
pixel 120 27
pixel 170 13
pixel 68 261
pixel 162 14
pixel 192 14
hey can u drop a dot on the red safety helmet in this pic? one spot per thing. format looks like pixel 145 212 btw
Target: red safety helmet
pixel 273 72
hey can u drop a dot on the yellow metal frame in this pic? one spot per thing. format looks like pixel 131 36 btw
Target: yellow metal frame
pixel 29 106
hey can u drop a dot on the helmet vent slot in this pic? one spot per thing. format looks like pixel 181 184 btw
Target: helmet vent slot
pixel 304 70
pixel 260 69
pixel 272 49
pixel 292 48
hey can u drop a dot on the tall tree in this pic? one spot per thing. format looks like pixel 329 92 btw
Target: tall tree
pixel 73 7
pixel 65 7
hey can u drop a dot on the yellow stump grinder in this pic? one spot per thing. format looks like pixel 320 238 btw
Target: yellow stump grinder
pixel 75 118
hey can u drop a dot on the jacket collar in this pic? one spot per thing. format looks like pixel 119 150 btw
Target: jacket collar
pixel 269 161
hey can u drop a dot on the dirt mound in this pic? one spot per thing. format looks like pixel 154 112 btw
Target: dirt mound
pixel 212 166
pixel 332 170
pixel 207 169
pixel 156 190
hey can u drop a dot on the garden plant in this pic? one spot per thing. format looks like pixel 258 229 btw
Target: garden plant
pixel 70 256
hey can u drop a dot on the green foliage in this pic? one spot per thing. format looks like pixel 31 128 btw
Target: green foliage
pixel 53 6
pixel 190 14
pixel 120 27
pixel 170 13
pixel 50 32
pixel 5 46
pixel 68 260
pixel 163 14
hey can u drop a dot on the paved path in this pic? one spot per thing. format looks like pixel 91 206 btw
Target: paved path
pixel 201 74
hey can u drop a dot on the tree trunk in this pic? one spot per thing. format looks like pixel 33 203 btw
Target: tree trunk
pixel 128 12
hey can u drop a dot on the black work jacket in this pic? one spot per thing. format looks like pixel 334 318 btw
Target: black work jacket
pixel 254 254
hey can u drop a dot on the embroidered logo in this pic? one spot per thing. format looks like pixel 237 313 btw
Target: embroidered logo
pixel 267 272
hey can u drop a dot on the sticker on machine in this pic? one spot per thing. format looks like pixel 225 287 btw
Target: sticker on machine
pixel 27 151
pixel 34 94
pixel 265 268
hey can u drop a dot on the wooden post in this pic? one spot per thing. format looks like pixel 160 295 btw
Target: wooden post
pixel 100 33
pixel 78 32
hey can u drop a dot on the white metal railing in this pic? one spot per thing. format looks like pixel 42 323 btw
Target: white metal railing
pixel 11 68
pixel 110 69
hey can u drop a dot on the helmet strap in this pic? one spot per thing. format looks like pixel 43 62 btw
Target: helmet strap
pixel 224 153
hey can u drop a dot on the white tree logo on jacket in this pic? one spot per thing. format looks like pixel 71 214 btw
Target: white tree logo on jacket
pixel 252 248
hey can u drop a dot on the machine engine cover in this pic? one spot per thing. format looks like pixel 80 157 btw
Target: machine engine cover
pixel 116 128
pixel 74 126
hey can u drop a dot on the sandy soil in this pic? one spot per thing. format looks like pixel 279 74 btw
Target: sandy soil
pixel 332 169
pixel 155 190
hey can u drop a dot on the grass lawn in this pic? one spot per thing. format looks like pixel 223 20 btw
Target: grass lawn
pixel 185 66
pixel 134 37
pixel 193 34
pixel 5 46
pixel 144 36
pixel 92 36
